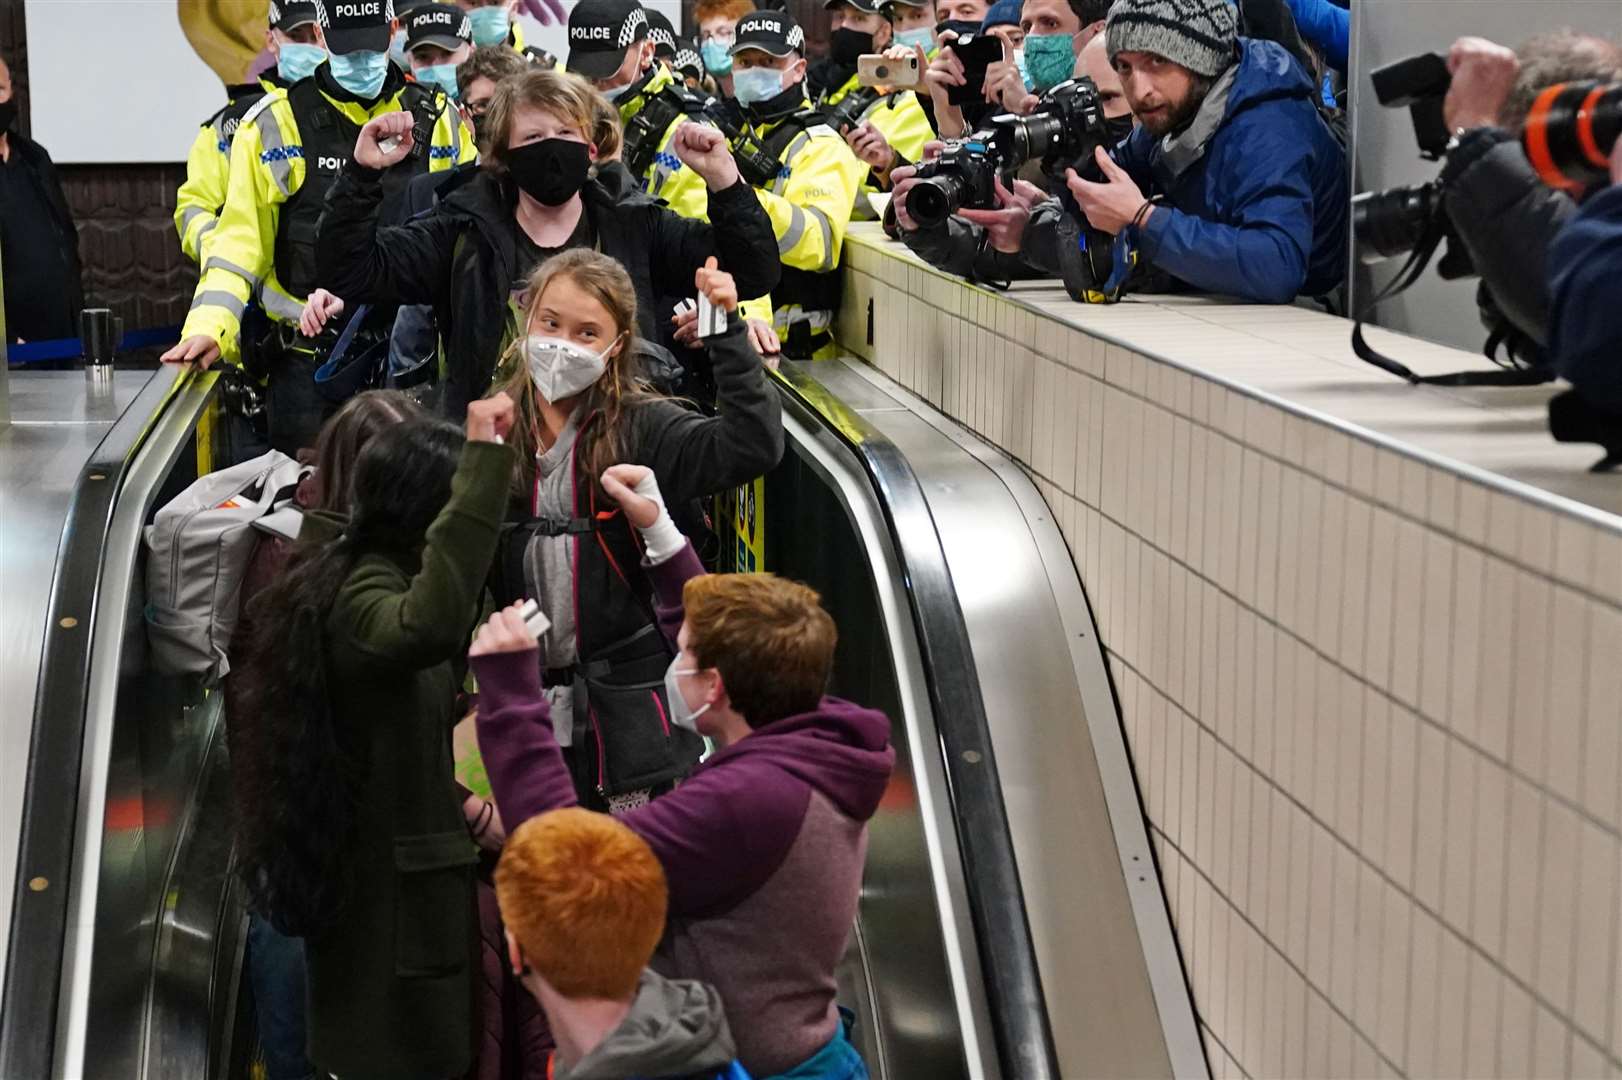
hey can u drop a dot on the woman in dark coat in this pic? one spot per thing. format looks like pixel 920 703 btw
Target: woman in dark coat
pixel 533 197
pixel 357 840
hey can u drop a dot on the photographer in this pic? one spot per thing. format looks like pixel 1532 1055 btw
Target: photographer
pixel 984 245
pixel 1502 213
pixel 1233 183
pixel 1585 319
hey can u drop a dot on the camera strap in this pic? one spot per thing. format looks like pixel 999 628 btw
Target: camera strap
pixel 1506 375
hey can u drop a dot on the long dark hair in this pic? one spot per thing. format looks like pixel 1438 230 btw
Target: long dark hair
pixel 342 438
pixel 308 764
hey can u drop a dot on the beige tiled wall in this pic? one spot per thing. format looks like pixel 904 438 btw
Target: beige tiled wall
pixel 1374 702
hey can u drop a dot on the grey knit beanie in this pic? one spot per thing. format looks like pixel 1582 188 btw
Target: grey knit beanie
pixel 1198 34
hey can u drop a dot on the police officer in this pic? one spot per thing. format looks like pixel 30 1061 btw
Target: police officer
pixel 663 36
pixel 805 175
pixel 609 45
pixel 287 152
pixel 494 24
pixel 295 40
pixel 439 37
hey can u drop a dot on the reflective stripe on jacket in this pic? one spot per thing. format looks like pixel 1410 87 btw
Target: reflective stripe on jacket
pixel 208 168
pixel 810 200
pixel 267 167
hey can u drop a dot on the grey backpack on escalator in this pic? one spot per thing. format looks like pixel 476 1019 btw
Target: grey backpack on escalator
pixel 198 548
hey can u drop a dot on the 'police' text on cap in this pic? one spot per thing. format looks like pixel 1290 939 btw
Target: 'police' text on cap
pixel 438 24
pixel 356 25
pixel 599 33
pixel 772 32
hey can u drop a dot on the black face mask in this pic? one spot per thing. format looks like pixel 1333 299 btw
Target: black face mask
pixel 550 171
pixel 1118 128
pixel 961 27
pixel 8 113
pixel 846 45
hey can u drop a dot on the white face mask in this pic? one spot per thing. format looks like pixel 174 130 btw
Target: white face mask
pixel 561 369
pixel 682 714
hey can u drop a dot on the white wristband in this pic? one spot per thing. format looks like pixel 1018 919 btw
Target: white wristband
pixel 662 538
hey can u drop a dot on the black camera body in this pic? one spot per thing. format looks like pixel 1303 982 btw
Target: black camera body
pixel 1418 84
pixel 1066 127
pixel 963 176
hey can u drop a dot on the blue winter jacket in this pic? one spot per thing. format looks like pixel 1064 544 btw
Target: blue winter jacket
pixel 1327 27
pixel 1585 314
pixel 1263 213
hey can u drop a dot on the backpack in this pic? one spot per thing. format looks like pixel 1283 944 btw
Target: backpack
pixel 198 548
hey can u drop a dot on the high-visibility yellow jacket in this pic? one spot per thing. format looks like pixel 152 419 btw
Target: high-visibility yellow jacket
pixel 809 203
pixel 208 167
pixel 682 189
pixel 267 169
pixel 900 118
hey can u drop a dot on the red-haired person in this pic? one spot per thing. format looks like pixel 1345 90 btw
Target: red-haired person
pixel 584 900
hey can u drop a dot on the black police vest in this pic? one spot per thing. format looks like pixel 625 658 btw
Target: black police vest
pixel 329 139
pixel 644 130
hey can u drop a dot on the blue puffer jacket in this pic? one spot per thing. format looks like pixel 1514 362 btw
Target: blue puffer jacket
pixel 1263 214
pixel 1585 319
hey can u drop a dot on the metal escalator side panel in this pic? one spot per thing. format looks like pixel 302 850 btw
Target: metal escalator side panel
pixel 39 921
pixel 1079 826
pixel 142 752
pixel 1013 982
pixel 919 989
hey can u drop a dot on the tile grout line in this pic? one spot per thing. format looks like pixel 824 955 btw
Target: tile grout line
pixel 1419 904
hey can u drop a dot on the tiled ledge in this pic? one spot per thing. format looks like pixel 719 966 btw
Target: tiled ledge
pixel 1332 413
pixel 1367 644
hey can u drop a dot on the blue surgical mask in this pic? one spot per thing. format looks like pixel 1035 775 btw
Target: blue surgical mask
pixel 757 84
pixel 716 59
pixel 1024 72
pixel 617 92
pixel 1050 58
pixel 361 73
pixel 297 61
pixel 440 75
pixel 490 25
pixel 397 51
pixel 921 37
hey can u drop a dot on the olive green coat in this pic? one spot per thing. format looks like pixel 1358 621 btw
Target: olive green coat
pixel 392 983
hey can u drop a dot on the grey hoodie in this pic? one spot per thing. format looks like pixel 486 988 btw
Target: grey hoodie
pixel 676 1028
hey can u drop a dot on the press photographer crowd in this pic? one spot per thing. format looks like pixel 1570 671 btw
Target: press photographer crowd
pixel 510 317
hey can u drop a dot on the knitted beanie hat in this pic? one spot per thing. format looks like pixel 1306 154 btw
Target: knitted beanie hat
pixel 1198 34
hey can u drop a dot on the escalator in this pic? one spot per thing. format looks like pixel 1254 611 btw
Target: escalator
pixel 1011 920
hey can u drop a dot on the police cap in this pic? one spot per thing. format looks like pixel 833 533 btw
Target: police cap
pixel 438 24
pixel 772 32
pixel 662 33
pixel 599 33
pixel 356 25
pixel 285 15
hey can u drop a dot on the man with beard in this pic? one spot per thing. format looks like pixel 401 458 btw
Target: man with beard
pixel 1232 182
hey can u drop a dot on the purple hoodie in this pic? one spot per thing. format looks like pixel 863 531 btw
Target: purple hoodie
pixel 763 847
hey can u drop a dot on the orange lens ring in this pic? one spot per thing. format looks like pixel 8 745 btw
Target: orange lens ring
pixel 1585 129
pixel 1536 140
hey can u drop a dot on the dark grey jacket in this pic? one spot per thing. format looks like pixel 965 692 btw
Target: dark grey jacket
pixel 1506 218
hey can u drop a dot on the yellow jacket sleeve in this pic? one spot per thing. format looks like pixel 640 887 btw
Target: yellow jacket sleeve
pixel 452 142
pixel 811 206
pixel 266 168
pixel 198 202
pixel 903 123
pixel 682 189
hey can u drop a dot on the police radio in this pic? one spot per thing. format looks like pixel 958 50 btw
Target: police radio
pixel 755 162
pixel 424 105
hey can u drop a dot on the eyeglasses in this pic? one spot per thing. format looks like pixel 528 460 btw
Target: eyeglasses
pixel 726 34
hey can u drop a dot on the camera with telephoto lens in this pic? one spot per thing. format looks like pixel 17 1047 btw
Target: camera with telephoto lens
pixel 1396 221
pixel 1570 132
pixel 1066 126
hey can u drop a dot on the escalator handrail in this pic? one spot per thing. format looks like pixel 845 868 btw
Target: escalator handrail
pixel 30 995
pixel 1014 995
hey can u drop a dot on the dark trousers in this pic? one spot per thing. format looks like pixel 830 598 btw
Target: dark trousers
pixel 295 407
pixel 276 973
